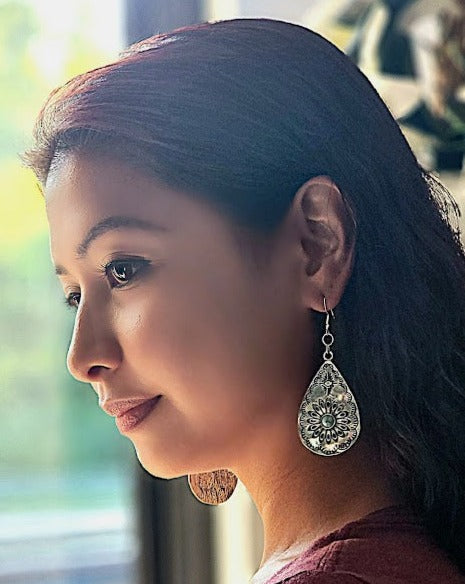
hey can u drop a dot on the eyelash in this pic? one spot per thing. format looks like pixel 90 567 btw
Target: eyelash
pixel 104 271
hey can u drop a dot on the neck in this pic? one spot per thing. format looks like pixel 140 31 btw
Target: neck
pixel 302 496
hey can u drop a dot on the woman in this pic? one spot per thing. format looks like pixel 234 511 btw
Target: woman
pixel 260 268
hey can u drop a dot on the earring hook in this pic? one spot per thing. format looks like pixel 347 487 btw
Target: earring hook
pixel 328 312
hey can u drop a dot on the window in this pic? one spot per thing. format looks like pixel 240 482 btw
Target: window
pixel 66 477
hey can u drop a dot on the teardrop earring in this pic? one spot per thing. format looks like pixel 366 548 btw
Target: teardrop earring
pixel 328 420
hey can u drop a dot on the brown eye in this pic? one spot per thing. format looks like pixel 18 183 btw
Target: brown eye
pixel 123 271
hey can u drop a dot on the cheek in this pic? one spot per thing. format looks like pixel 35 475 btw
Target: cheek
pixel 223 352
pixel 217 340
pixel 228 343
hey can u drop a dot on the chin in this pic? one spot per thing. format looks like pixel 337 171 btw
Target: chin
pixel 166 469
pixel 161 469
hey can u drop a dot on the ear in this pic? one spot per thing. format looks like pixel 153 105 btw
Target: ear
pixel 326 238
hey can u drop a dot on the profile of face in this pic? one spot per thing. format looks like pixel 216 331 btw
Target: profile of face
pixel 168 304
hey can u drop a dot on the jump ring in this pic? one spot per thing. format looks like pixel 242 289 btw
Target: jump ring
pixel 327 342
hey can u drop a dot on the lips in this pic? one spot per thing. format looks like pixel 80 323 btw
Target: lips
pixel 121 406
pixel 129 413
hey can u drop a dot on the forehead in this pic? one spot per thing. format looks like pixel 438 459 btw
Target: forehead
pixel 81 187
pixel 82 191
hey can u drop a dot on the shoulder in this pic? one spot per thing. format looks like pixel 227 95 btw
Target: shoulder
pixel 388 545
pixel 323 578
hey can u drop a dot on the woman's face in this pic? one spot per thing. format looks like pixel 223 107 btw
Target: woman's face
pixel 181 311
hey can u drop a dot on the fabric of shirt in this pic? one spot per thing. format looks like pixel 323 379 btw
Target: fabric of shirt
pixel 387 546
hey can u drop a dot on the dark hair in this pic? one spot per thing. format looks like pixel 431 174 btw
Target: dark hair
pixel 242 113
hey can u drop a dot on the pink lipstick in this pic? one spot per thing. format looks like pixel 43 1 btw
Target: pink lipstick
pixel 133 417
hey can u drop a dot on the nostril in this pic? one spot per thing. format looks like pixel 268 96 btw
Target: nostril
pixel 95 371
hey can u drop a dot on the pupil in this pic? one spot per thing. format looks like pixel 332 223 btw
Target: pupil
pixel 121 271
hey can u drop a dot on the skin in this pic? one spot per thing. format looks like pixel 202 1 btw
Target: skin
pixel 230 346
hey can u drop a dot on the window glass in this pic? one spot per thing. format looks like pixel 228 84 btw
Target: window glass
pixel 66 487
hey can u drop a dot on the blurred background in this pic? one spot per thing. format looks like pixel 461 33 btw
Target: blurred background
pixel 75 505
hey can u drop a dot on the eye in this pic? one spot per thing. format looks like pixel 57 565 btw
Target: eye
pixel 122 271
pixel 72 300
pixel 118 272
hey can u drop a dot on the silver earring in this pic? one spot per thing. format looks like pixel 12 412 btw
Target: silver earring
pixel 329 419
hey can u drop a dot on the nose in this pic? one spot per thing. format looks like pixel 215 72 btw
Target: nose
pixel 94 348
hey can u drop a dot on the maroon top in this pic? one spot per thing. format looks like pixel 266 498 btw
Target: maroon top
pixel 387 546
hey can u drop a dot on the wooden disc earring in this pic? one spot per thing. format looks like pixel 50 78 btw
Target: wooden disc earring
pixel 213 488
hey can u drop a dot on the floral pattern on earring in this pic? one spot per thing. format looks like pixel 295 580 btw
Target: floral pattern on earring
pixel 328 420
pixel 328 424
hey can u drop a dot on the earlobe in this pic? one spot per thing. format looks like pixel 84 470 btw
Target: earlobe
pixel 327 237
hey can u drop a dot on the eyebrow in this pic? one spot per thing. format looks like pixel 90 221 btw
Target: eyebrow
pixel 109 224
